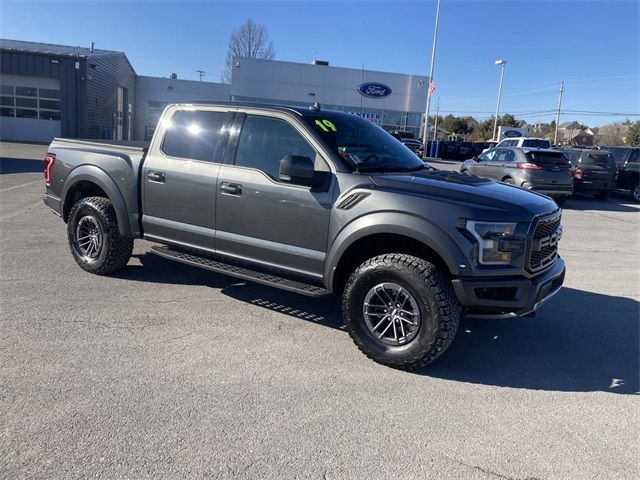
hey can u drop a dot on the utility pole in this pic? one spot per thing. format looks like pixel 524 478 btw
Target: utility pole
pixel 555 136
pixel 433 59
pixel 435 128
pixel 502 63
pixel 201 74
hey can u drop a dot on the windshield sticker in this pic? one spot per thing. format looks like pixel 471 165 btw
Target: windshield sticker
pixel 326 125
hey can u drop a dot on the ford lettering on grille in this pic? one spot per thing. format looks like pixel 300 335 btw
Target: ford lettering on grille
pixel 544 248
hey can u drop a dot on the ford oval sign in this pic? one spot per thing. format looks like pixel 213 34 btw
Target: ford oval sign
pixel 512 133
pixel 374 90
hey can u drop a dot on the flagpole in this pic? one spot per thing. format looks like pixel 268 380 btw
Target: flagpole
pixel 425 134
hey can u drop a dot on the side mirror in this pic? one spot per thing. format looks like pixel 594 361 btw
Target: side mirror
pixel 476 159
pixel 298 170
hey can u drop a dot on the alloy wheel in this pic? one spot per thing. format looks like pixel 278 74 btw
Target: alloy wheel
pixel 89 238
pixel 392 314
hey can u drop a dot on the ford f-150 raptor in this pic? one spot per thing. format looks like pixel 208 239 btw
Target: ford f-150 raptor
pixel 317 202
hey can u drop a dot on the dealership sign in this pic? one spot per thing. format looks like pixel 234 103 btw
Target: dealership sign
pixel 374 90
pixel 512 133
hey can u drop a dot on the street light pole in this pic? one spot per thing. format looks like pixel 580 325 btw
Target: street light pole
pixel 425 134
pixel 502 63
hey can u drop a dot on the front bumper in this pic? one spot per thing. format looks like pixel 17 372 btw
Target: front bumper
pixel 508 297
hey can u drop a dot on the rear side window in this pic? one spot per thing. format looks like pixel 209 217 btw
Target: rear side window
pixel 536 144
pixel 193 135
pixel 545 159
pixel 265 141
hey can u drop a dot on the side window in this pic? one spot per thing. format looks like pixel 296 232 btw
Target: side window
pixel 510 157
pixel 193 135
pixel 501 156
pixel 635 156
pixel 487 156
pixel 265 141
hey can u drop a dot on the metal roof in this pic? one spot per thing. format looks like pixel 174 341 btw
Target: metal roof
pixel 52 49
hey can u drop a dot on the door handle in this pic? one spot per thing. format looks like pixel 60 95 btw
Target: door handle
pixel 156 176
pixel 231 188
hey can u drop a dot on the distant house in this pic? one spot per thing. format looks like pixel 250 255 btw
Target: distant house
pixel 573 133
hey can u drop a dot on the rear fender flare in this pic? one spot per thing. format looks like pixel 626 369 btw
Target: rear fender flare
pixel 95 175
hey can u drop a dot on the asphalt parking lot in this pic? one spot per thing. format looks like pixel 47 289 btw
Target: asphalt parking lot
pixel 168 371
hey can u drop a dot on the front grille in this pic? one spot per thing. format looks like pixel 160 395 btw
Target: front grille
pixel 543 257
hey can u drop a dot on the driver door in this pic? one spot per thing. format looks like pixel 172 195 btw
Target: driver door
pixel 262 220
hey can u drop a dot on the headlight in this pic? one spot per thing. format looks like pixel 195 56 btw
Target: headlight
pixel 488 235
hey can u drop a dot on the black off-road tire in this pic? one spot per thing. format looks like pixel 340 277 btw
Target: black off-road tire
pixel 439 309
pixel 635 192
pixel 115 250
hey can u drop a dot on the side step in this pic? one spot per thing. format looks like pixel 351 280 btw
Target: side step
pixel 240 272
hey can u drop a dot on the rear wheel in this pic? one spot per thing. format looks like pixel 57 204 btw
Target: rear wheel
pixel 400 310
pixel 602 195
pixel 560 201
pixel 509 181
pixel 92 231
pixel 635 193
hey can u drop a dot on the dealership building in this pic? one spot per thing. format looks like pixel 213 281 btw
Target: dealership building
pixel 56 90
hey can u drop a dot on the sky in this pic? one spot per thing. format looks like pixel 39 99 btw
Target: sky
pixel 593 46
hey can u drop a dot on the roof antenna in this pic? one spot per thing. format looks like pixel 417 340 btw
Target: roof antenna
pixel 315 107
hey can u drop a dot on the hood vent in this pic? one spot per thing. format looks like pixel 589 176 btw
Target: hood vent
pixel 352 200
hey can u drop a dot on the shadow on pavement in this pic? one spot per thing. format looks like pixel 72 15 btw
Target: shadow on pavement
pixel 579 341
pixel 616 203
pixel 19 165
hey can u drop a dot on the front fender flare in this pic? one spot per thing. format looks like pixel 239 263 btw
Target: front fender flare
pixel 93 174
pixel 394 223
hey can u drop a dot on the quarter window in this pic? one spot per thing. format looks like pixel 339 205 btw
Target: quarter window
pixel 265 141
pixel 193 135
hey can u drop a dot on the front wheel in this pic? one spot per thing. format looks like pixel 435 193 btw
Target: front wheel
pixel 400 310
pixel 92 231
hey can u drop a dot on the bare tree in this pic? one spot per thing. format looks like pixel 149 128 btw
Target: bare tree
pixel 249 40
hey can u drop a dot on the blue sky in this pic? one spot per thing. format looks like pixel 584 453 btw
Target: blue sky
pixel 594 46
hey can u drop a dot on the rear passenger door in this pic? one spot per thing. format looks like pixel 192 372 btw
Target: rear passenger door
pixel 179 177
pixel 261 219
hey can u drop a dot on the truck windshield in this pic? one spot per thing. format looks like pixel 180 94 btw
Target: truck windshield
pixel 364 146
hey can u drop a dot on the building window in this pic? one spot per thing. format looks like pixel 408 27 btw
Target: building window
pixel 31 102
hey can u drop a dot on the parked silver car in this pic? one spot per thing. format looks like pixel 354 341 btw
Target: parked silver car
pixel 541 170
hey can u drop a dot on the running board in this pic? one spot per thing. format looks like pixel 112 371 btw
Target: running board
pixel 240 272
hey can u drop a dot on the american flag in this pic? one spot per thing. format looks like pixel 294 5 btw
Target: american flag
pixel 432 88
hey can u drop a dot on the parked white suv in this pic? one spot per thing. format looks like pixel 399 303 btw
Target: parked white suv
pixel 529 142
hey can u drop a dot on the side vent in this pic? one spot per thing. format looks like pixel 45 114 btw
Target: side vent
pixel 352 200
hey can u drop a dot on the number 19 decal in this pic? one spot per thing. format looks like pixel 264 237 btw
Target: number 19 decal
pixel 326 125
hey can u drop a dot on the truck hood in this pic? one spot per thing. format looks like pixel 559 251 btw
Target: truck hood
pixel 496 200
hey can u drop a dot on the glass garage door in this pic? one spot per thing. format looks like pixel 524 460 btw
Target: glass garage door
pixel 29 108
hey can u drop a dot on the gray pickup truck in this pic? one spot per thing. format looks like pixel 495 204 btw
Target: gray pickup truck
pixel 316 202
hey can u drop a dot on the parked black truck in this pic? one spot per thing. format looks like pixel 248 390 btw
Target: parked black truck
pixel 628 162
pixel 316 202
